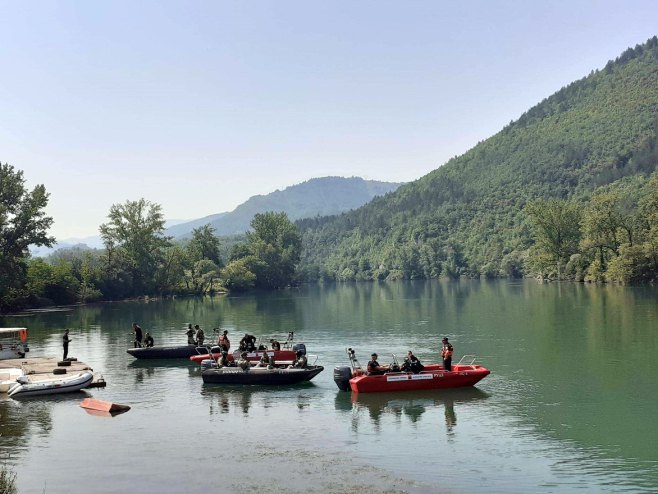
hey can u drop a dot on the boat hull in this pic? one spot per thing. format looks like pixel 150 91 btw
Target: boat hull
pixel 260 375
pixel 163 352
pixel 65 384
pixel 433 377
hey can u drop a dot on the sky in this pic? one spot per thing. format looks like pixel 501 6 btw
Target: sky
pixel 198 106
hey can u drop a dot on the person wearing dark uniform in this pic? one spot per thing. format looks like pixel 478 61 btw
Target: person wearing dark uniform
pixel 148 340
pixel 301 361
pixel 275 344
pixel 223 341
pixel 243 342
pixel 446 354
pixel 137 331
pixel 65 341
pixel 373 366
pixel 200 336
pixel 190 335
pixel 412 364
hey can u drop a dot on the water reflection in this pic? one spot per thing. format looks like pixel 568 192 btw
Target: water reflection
pixel 409 405
pixel 222 399
pixel 22 419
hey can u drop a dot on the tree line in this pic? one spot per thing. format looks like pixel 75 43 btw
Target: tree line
pixel 137 258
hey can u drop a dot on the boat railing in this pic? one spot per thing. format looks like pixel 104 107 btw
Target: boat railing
pixel 467 360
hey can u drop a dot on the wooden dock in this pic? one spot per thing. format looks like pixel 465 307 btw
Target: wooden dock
pixel 42 368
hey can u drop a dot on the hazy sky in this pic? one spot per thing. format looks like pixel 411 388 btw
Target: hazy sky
pixel 200 105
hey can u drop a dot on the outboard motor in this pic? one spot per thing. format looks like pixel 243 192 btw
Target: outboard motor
pixel 299 346
pixel 342 376
pixel 208 363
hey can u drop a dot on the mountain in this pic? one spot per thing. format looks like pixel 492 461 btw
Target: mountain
pixel 315 197
pixel 466 217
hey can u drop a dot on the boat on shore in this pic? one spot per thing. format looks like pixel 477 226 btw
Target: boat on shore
pixel 13 343
pixel 433 376
pixel 8 378
pixel 164 352
pixel 260 375
pixel 28 386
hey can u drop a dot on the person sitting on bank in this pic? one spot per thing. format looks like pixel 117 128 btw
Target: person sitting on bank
pixel 411 363
pixel 223 341
pixel 190 335
pixel 275 344
pixel 200 335
pixel 446 354
pixel 148 340
pixel 300 361
pixel 373 366
pixel 243 363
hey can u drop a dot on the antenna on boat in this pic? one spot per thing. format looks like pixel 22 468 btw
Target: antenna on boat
pixel 354 363
pixel 291 337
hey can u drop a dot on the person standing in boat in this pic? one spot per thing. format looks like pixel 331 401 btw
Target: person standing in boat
pixel 200 335
pixel 275 344
pixel 446 354
pixel 190 335
pixel 223 341
pixel 65 341
pixel 137 331
pixel 148 340
pixel 373 366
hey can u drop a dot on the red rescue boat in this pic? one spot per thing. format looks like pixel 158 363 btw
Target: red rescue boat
pixel 433 376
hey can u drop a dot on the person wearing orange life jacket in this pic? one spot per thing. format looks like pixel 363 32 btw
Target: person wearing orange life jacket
pixel 446 354
pixel 223 341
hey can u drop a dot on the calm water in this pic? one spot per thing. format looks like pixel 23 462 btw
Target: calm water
pixel 570 406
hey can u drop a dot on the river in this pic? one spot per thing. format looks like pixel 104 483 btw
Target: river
pixel 570 405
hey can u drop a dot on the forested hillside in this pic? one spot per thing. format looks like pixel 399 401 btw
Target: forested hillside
pixel 468 217
pixel 315 197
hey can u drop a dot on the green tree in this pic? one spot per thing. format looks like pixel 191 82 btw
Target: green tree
pixel 202 260
pixel 204 244
pixel 23 222
pixel 556 228
pixel 134 234
pixel 275 247
pixel 237 276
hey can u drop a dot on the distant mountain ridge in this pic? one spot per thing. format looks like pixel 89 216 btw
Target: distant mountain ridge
pixel 467 217
pixel 316 197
